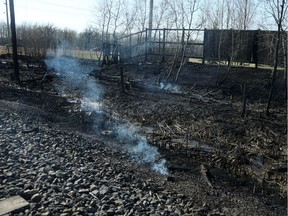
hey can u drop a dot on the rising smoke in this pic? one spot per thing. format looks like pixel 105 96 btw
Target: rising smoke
pixel 74 78
pixel 170 87
pixel 139 148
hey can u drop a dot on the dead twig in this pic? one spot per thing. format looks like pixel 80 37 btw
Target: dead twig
pixel 203 172
pixel 177 126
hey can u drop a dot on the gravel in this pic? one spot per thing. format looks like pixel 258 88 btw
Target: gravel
pixel 62 172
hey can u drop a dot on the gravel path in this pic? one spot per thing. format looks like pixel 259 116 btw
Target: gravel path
pixel 63 172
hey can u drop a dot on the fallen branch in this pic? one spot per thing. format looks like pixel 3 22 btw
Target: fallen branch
pixel 205 99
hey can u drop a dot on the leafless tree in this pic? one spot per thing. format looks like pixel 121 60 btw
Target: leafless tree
pixel 227 14
pixel 141 19
pixel 89 39
pixel 3 34
pixel 129 22
pixel 278 10
pixel 218 16
pixel 183 14
pixel 36 39
pixel 246 11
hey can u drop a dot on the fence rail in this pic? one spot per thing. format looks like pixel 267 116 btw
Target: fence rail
pixel 246 46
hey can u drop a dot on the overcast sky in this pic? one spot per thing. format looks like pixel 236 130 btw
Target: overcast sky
pixel 72 14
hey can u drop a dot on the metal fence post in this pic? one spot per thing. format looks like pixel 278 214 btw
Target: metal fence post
pixel 255 47
pixel 130 46
pixel 204 39
pixel 164 43
pixel 182 41
pixel 146 44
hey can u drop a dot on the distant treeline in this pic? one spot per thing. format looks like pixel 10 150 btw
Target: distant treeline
pixel 36 40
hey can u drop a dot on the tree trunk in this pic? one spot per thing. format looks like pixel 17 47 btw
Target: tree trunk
pixel 286 67
pixel 275 59
pixel 14 42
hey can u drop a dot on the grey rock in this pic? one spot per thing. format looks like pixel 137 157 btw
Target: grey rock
pixel 110 212
pixel 83 190
pixel 36 198
pixel 104 207
pixel 169 201
pixel 28 186
pixel 104 190
pixel 51 173
pixel 78 181
pixel 177 211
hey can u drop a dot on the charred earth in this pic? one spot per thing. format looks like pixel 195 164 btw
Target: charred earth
pixel 67 154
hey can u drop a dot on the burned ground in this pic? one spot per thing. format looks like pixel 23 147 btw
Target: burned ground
pixel 219 163
pixel 200 116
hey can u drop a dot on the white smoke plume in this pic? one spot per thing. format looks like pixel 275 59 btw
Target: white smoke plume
pixel 138 147
pixel 74 78
pixel 170 87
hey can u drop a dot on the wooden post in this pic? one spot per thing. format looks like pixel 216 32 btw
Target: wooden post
pixel 122 84
pixel 121 61
pixel 164 43
pixel 153 131
pixel 204 39
pixel 159 44
pixel 244 101
pixel 182 41
pixel 146 45
pixel 286 67
pixel 115 52
pixel 104 54
pixel 130 46
pixel 14 42
pixel 255 47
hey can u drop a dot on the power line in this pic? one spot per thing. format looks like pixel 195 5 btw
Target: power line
pixel 52 11
pixel 61 5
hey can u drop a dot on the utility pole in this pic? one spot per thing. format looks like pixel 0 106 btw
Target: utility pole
pixel 7 17
pixel 14 42
pixel 150 20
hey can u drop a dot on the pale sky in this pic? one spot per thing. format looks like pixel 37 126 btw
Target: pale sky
pixel 72 14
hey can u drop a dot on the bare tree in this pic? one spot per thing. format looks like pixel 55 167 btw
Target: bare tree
pixel 103 20
pixel 219 16
pixel 277 9
pixel 246 11
pixel 161 14
pixel 189 18
pixel 130 13
pixel 141 19
pixel 3 34
pixel 36 39
pixel 183 15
